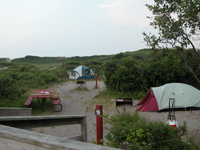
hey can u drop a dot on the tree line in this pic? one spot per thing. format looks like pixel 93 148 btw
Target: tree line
pixel 127 74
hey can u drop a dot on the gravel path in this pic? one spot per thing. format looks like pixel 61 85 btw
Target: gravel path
pixel 74 103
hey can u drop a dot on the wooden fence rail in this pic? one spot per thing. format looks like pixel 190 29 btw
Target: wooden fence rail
pixel 17 139
pixel 28 122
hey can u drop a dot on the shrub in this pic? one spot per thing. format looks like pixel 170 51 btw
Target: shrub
pixel 22 69
pixel 9 88
pixel 130 131
pixel 121 126
pixel 156 136
pixel 15 82
pixel 128 74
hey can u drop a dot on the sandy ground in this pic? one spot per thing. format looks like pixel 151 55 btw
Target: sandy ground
pixel 75 103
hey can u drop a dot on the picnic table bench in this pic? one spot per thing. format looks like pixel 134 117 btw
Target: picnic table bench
pixel 42 96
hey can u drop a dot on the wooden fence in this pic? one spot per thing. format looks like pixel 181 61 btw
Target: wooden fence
pixel 28 122
pixel 11 137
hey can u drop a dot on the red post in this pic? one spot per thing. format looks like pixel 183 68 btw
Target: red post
pixel 96 80
pixel 99 122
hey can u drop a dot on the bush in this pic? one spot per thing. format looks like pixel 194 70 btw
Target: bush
pixel 129 131
pixel 9 88
pixel 15 82
pixel 127 74
pixel 156 136
pixel 121 126
pixel 124 75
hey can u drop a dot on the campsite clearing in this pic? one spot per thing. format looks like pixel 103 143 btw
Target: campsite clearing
pixel 74 103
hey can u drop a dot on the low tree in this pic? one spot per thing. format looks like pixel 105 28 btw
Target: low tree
pixel 164 68
pixel 124 75
pixel 178 24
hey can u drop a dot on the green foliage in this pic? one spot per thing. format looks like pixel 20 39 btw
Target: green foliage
pixel 156 136
pixel 9 87
pixel 3 59
pixel 5 64
pixel 15 82
pixel 159 67
pixel 178 27
pixel 121 124
pixel 130 131
pixel 139 138
pixel 177 22
pixel 164 69
pixel 128 74
pixel 22 69
pixel 39 60
pixel 90 58
pixel 124 75
pixel 98 63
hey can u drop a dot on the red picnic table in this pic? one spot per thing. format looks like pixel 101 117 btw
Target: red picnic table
pixel 41 96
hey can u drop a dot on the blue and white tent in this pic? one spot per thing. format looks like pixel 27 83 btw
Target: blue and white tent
pixel 81 72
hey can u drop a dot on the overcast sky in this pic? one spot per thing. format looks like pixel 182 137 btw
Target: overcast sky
pixel 72 27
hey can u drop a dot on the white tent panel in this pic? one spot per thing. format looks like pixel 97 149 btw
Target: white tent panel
pixel 185 95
